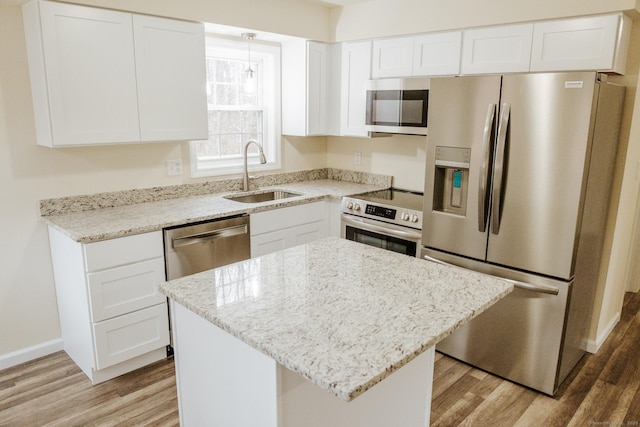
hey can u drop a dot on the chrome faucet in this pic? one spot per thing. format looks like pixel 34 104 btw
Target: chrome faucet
pixel 263 160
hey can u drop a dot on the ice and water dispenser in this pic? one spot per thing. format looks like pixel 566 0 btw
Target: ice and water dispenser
pixel 451 180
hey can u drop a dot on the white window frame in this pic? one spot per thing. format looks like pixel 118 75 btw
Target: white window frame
pixel 270 94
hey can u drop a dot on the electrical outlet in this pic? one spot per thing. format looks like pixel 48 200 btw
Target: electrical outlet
pixel 357 158
pixel 174 167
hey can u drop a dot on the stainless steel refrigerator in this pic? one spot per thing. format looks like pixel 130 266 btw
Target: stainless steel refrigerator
pixel 518 178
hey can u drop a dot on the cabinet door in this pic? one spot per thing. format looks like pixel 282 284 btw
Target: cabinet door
pixel 269 242
pixel 121 290
pixel 437 54
pixel 131 335
pixel 90 75
pixel 356 71
pixel 307 233
pixel 170 65
pixel 504 49
pixel 305 73
pixel 317 88
pixel 392 57
pixel 575 44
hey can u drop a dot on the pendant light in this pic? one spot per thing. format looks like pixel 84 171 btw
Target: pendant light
pixel 250 82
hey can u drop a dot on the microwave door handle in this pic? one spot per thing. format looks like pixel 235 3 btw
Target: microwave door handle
pixel 498 174
pixel 484 172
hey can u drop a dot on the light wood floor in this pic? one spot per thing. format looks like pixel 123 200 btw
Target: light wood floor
pixel 603 390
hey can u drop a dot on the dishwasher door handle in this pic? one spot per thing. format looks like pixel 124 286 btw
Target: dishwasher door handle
pixel 193 239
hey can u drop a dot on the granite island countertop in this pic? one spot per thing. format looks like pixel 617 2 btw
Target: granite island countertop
pixel 92 225
pixel 342 314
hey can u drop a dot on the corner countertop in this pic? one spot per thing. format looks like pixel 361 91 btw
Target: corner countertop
pixel 342 314
pixel 119 221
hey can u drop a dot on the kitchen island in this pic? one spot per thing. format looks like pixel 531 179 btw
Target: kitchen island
pixel 328 333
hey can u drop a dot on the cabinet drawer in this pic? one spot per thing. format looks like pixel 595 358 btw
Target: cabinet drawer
pixel 125 289
pixel 131 335
pixel 278 219
pixel 124 250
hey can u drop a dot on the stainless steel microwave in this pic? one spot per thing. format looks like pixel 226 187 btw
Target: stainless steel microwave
pixel 398 105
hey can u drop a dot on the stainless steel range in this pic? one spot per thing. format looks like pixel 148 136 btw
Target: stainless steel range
pixel 390 219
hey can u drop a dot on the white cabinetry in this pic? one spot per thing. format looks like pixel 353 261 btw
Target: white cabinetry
pixel 334 218
pixel 283 228
pixel 503 49
pixel 112 316
pixel 102 76
pixel 171 76
pixel 437 54
pixel 307 79
pixel 392 57
pixel 356 71
pixel 588 43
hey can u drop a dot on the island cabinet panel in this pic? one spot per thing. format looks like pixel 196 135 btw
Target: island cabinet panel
pixel 101 76
pixel 218 377
pixel 113 318
pixel 283 228
pixel 503 49
pixel 588 43
pixel 392 57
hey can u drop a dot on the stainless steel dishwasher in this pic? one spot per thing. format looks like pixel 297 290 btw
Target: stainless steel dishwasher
pixel 197 247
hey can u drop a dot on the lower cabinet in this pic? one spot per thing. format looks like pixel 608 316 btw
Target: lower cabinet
pixel 283 228
pixel 113 318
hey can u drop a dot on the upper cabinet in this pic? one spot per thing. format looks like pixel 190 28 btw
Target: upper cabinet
pixel 392 57
pixel 356 71
pixel 307 75
pixel 589 43
pixel 171 77
pixel 435 54
pixel 504 49
pixel 103 77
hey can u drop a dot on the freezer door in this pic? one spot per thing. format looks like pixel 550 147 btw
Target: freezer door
pixel 462 127
pixel 542 155
pixel 522 337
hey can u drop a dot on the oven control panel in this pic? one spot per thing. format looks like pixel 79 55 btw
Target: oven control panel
pixel 396 215
pixel 380 211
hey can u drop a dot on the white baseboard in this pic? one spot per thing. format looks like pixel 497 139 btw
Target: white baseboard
pixel 30 353
pixel 594 346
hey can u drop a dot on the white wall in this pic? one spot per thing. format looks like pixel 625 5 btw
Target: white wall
pixel 29 173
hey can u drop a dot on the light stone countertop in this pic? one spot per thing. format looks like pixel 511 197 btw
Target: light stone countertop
pixel 118 221
pixel 342 314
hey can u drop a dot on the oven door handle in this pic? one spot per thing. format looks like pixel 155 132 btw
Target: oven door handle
pixel 367 225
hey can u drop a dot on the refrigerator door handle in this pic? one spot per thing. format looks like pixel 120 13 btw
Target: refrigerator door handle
pixel 544 289
pixel 499 167
pixel 484 172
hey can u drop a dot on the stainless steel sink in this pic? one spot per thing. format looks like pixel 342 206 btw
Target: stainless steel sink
pixel 261 196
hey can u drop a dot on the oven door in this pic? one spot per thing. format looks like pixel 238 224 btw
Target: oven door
pixel 380 234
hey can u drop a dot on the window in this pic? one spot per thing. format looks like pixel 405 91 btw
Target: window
pixel 238 113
